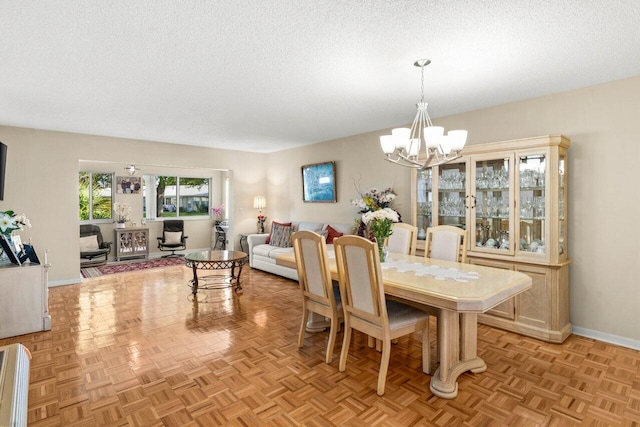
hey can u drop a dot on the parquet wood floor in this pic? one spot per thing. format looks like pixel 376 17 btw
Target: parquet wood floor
pixel 131 350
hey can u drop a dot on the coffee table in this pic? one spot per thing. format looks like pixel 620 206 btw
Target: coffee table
pixel 216 260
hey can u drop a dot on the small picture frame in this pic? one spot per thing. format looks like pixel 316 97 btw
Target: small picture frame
pixel 128 185
pixel 319 183
pixel 17 244
pixel 8 249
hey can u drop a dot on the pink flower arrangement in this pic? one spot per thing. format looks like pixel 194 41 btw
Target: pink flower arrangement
pixel 217 212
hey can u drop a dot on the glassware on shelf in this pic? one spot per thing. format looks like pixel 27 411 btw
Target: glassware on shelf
pixel 482 234
pixel 526 208
pixel 538 207
pixel 452 207
pixel 504 240
pixel 454 180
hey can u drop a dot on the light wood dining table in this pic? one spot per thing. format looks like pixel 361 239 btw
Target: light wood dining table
pixel 459 292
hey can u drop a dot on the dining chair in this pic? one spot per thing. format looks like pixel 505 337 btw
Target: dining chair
pixel 404 239
pixel 447 243
pixel 366 308
pixel 314 277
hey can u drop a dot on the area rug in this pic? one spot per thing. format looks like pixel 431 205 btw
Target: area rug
pixel 125 266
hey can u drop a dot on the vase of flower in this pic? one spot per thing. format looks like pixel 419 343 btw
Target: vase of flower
pixel 122 214
pixel 380 223
pixel 261 221
pixel 382 249
pixel 217 214
pixel 371 201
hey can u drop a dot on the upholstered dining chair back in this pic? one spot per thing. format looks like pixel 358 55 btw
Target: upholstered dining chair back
pixel 316 286
pixel 366 308
pixel 404 239
pixel 447 243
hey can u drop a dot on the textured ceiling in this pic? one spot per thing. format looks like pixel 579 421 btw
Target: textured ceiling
pixel 269 75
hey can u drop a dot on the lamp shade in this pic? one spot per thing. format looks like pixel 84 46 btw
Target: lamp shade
pixel 433 136
pixel 401 136
pixel 387 142
pixel 259 202
pixel 459 139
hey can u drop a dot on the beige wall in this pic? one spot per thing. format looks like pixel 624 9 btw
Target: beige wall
pixel 42 179
pixel 602 122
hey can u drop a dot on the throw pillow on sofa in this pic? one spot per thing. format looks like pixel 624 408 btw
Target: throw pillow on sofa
pixel 280 235
pixel 332 233
pixel 273 224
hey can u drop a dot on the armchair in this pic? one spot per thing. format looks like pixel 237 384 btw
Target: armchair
pixel 173 238
pixel 92 246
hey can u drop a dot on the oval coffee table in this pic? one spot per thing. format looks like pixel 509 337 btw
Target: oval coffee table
pixel 216 260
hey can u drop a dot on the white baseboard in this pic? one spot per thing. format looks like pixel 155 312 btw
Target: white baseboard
pixel 53 283
pixel 608 338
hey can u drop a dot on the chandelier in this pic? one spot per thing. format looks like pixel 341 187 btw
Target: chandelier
pixel 402 147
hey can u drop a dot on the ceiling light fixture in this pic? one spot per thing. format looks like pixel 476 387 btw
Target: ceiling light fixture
pixel 131 169
pixel 402 147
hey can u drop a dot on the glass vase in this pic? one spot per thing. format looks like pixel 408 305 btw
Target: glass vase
pixel 382 249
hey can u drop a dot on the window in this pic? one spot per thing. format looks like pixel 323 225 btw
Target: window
pixel 174 196
pixel 96 196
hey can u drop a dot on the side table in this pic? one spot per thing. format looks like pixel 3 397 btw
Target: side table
pixel 131 243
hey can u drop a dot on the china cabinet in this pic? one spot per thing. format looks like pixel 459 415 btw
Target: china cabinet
pixel 512 198
pixel 131 243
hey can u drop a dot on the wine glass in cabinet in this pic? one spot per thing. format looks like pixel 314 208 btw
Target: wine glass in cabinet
pixel 491 203
pixel 452 195
pixel 532 177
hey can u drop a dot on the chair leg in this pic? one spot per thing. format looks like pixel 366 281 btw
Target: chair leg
pixel 345 346
pixel 426 349
pixel 333 331
pixel 384 366
pixel 303 325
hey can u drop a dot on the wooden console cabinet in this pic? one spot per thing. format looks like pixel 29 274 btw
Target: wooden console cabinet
pixel 131 243
pixel 24 299
pixel 512 198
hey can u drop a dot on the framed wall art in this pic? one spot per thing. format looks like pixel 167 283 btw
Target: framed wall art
pixel 319 183
pixel 128 185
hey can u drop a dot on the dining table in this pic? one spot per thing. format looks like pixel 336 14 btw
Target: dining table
pixel 458 292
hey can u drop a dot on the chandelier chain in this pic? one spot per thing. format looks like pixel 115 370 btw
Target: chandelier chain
pixel 422 87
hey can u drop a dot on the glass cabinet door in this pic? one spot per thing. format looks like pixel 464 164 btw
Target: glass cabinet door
pixel 562 226
pixel 532 171
pixel 452 195
pixel 424 199
pixel 492 193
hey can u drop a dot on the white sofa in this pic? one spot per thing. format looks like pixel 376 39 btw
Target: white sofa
pixel 263 256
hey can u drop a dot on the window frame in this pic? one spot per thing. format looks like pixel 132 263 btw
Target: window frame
pixel 91 219
pixel 152 202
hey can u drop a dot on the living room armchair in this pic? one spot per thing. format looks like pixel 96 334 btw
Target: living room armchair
pixel 173 238
pixel 92 246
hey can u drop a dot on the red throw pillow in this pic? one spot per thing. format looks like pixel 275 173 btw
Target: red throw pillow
pixel 332 233
pixel 284 224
